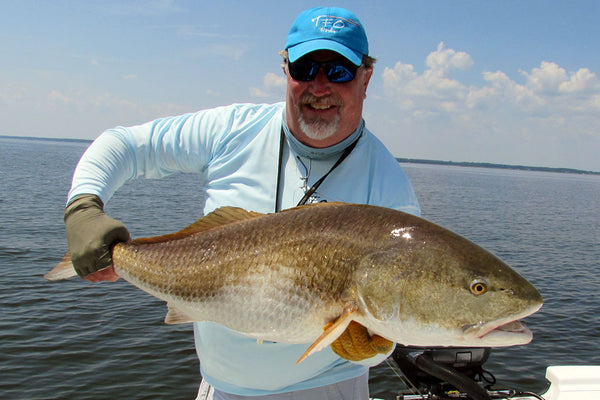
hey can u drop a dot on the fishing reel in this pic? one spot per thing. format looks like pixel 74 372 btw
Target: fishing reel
pixel 447 372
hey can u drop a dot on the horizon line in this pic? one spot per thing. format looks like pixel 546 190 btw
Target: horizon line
pixel 475 164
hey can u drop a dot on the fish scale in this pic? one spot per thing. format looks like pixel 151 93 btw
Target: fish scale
pixel 284 276
pixel 229 290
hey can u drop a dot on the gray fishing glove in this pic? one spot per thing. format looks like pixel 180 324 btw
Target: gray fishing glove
pixel 91 234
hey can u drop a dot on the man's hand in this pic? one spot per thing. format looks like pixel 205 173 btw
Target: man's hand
pixel 91 234
pixel 355 344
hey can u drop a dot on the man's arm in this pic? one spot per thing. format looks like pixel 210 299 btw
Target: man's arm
pixel 156 149
pixel 116 157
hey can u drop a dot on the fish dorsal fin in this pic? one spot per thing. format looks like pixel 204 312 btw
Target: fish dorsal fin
pixel 219 217
pixel 330 204
pixel 332 332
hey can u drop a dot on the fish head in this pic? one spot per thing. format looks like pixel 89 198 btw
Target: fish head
pixel 436 288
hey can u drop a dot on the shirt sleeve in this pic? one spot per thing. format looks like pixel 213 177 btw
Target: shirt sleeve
pixel 185 143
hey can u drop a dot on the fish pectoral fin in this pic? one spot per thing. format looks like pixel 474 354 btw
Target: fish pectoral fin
pixel 332 331
pixel 176 316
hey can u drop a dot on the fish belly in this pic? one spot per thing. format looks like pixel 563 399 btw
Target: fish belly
pixel 266 305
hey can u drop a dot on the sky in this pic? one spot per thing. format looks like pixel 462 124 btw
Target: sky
pixel 509 82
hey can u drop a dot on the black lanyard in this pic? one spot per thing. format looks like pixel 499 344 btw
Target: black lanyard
pixel 316 185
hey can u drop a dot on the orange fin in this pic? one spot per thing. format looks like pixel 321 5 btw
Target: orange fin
pixel 63 270
pixel 332 331
pixel 219 217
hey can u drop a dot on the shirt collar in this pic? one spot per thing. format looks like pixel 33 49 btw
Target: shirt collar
pixel 321 153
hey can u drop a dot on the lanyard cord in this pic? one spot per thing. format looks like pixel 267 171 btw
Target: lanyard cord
pixel 316 185
pixel 277 196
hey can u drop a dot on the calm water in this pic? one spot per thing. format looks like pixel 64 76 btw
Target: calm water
pixel 77 340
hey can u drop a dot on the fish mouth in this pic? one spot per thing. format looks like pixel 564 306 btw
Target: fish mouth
pixel 493 334
pixel 484 329
pixel 508 331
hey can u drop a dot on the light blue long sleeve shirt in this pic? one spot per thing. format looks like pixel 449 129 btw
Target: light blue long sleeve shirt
pixel 237 150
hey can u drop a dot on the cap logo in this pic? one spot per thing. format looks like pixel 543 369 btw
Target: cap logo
pixel 327 28
pixel 331 24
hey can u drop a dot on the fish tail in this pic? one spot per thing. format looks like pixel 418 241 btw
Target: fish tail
pixel 63 270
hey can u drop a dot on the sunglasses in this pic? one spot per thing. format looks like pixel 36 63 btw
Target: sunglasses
pixel 336 71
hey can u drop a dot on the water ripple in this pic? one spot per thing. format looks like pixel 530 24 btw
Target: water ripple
pixel 77 340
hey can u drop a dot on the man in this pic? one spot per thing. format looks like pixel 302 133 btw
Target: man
pixel 312 148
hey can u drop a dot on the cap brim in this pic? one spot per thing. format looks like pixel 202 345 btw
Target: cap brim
pixel 301 49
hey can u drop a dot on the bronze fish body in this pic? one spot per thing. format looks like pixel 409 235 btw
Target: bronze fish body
pixel 284 276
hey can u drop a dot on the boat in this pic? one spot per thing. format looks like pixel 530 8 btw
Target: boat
pixel 458 373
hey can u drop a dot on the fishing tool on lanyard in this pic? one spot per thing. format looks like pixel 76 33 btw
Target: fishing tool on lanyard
pixel 316 185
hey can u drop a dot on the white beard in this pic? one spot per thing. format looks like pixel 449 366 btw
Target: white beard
pixel 319 129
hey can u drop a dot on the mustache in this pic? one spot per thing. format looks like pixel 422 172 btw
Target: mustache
pixel 325 101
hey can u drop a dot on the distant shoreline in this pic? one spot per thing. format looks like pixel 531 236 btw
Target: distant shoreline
pixel 402 160
pixel 497 166
pixel 46 139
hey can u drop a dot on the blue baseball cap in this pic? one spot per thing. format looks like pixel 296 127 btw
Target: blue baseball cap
pixel 327 28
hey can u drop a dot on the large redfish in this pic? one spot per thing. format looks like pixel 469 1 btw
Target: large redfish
pixel 284 276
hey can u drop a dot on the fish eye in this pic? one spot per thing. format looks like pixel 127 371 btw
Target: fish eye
pixel 478 287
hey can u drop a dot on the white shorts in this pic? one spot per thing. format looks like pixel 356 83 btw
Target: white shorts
pixel 351 389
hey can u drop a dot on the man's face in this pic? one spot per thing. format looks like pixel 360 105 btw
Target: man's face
pixel 321 113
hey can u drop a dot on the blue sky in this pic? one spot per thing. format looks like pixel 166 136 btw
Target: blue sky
pixel 513 81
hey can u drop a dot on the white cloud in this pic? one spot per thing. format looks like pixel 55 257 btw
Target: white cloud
pixel 424 94
pixel 580 81
pixel 142 8
pixel 212 93
pixel 12 93
pixel 74 113
pixel 274 82
pixel 130 77
pixel 548 88
pixel 125 111
pixel 232 52
pixel 211 32
pixel 545 79
pixel 274 86
pixel 256 92
pixel 442 61
pixel 551 117
pixel 501 91
pixel 595 102
pixel 56 96
pixel 111 101
pixel 552 79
